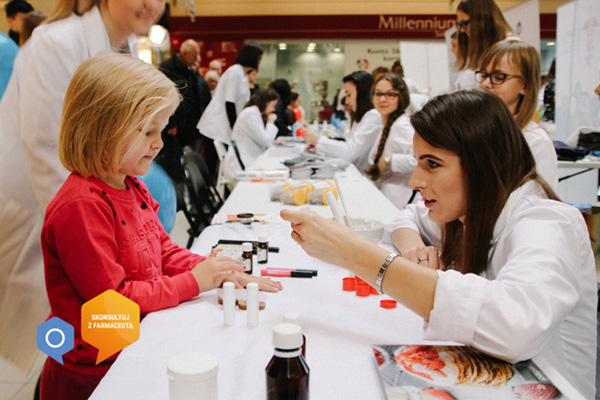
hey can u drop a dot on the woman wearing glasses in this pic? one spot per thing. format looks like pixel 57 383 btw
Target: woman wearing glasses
pixel 515 275
pixel 365 124
pixel 392 160
pixel 479 24
pixel 511 70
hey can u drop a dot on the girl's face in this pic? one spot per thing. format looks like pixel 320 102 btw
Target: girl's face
pixel 351 94
pixel 385 98
pixel 133 16
pixel 439 176
pixel 270 108
pixel 512 89
pixel 139 160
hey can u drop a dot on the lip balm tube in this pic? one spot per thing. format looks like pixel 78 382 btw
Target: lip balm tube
pixel 314 272
pixel 286 274
pixel 229 303
pixel 252 303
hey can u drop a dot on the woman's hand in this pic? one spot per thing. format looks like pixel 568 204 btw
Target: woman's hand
pixel 271 118
pixel 211 272
pixel 425 256
pixel 241 280
pixel 323 238
pixel 311 137
pixel 382 164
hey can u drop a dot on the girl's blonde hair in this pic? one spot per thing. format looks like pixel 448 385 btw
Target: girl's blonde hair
pixel 109 105
pixel 525 58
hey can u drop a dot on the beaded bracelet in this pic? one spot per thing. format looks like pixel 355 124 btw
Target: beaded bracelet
pixel 382 270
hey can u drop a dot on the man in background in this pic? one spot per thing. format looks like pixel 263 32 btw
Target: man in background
pixel 215 65
pixel 181 130
pixel 15 12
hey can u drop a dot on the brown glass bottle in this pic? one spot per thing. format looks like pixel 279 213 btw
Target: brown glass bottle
pixel 246 259
pixel 262 250
pixel 287 372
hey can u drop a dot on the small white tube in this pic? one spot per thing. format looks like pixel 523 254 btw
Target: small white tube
pixel 338 214
pixel 229 303
pixel 252 303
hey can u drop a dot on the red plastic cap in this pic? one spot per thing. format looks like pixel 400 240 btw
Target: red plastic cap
pixel 363 289
pixel 373 290
pixel 349 284
pixel 388 303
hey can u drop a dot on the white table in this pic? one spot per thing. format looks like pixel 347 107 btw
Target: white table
pixel 339 326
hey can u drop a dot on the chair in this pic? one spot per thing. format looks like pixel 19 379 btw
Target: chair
pixel 200 208
pixel 215 196
pixel 221 184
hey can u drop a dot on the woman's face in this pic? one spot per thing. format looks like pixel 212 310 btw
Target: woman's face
pixel 385 98
pixel 270 108
pixel 463 17
pixel 439 176
pixel 133 16
pixel 511 90
pixel 351 94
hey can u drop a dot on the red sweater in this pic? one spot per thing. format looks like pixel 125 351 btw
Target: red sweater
pixel 97 238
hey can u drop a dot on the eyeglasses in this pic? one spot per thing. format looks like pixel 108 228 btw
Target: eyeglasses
pixel 387 95
pixel 497 78
pixel 462 24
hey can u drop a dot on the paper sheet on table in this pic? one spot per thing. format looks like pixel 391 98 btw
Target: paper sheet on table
pixel 260 218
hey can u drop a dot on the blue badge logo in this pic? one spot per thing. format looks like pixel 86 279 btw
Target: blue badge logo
pixel 55 337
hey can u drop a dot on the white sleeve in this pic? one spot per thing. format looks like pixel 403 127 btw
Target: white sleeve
pixel 361 140
pixel 415 217
pixel 234 84
pixel 400 144
pixel 542 148
pixel 255 129
pixel 48 68
pixel 539 281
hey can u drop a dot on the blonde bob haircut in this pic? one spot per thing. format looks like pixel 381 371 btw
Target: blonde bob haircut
pixel 525 58
pixel 108 108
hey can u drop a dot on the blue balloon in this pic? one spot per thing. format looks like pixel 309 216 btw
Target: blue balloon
pixel 162 190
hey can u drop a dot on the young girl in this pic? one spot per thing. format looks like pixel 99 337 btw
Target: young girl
pixel 253 132
pixel 365 124
pixel 479 24
pixel 511 70
pixel 102 231
pixel 392 160
pixel 30 171
pixel 516 275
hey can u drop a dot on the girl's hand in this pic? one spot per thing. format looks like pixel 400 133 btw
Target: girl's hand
pixel 241 280
pixel 424 256
pixel 382 164
pixel 271 118
pixel 311 137
pixel 211 272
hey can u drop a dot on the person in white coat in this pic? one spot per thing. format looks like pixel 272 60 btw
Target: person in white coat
pixel 513 273
pixel 253 133
pixel 30 171
pixel 392 161
pixel 365 124
pixel 231 95
pixel 511 70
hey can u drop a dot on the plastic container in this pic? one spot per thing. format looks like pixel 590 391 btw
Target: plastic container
pixel 193 376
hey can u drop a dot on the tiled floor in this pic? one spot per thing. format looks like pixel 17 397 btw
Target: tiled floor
pixel 15 386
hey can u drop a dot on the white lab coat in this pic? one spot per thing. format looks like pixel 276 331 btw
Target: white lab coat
pixel 537 296
pixel 542 148
pixel 252 138
pixel 30 170
pixel 394 182
pixel 233 87
pixel 359 141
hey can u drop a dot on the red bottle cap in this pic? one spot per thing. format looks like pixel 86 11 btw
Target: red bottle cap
pixel 387 303
pixel 349 284
pixel 373 290
pixel 363 289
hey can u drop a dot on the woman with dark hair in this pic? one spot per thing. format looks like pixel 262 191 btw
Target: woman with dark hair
pixel 365 124
pixel 391 158
pixel 253 132
pixel 283 122
pixel 511 70
pixel 231 95
pixel 515 275
pixel 479 24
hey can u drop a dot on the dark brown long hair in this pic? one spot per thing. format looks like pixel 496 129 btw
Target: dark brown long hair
pixel 403 102
pixel 488 26
pixel 477 126
pixel 363 82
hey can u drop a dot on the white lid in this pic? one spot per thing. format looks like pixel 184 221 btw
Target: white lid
pixel 192 366
pixel 292 317
pixel 262 238
pixel 246 246
pixel 287 336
